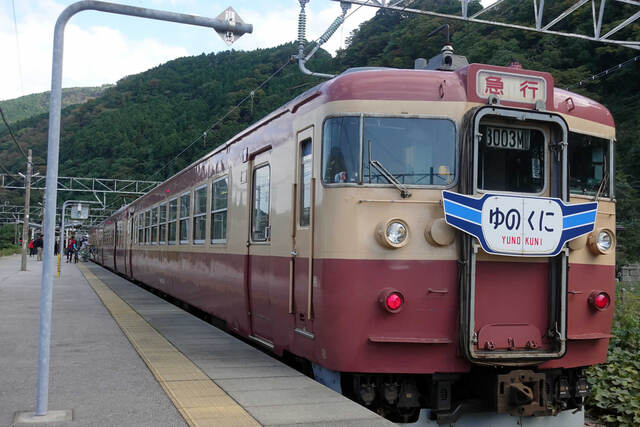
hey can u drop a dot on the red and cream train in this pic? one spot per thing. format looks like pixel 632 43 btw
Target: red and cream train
pixel 320 231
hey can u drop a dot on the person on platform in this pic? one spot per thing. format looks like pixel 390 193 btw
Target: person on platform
pixel 39 245
pixel 75 252
pixel 31 248
pixel 70 244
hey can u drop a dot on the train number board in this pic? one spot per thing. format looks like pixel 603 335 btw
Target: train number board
pixel 519 225
pixel 508 138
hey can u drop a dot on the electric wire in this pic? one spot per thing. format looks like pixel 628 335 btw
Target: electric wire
pixel 606 72
pixel 231 110
pixel 4 119
pixel 9 174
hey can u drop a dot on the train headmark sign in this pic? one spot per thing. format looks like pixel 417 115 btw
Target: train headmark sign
pixel 517 225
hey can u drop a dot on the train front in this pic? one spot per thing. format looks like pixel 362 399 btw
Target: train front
pixel 465 241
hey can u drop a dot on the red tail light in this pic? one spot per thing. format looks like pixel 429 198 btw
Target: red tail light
pixel 599 300
pixel 394 301
pixel 391 300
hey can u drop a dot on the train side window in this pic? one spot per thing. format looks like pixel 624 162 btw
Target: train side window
pixel 154 226
pixel 162 227
pixel 147 227
pixel 185 208
pixel 219 195
pixel 589 165
pixel 173 221
pixel 260 228
pixel 305 182
pixel 199 214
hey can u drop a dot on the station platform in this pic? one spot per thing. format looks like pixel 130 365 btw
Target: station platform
pixel 121 356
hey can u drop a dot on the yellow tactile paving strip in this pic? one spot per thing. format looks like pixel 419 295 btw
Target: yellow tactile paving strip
pixel 198 399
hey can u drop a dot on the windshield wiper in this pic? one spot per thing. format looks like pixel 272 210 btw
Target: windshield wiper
pixel 392 179
pixel 404 193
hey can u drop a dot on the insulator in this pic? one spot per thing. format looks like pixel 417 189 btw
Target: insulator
pixel 302 25
pixel 332 29
pixel 302 30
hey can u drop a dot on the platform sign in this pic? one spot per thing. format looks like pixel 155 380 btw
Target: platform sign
pixel 230 16
pixel 517 225
pixel 511 86
pixel 79 211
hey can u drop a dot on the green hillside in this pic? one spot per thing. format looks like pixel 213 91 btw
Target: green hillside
pixel 37 103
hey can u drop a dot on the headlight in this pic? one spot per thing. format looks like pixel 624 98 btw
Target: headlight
pixel 439 233
pixel 393 233
pixel 602 241
pixel 397 233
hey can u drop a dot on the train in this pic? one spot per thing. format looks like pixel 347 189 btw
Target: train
pixel 437 238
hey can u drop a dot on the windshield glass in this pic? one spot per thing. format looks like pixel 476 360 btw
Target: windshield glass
pixel 511 159
pixel 588 164
pixel 415 151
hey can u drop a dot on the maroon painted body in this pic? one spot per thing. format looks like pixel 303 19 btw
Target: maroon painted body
pixel 356 334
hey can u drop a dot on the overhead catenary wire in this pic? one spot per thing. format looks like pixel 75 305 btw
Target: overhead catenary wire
pixel 4 119
pixel 606 72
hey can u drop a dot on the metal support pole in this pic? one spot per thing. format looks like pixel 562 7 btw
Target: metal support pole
pixel 26 217
pixel 53 148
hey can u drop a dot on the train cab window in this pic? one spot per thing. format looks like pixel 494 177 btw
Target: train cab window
pixel 147 227
pixel 173 221
pixel 199 214
pixel 341 150
pixel 416 151
pixel 219 193
pixel 162 224
pixel 260 228
pixel 305 182
pixel 589 165
pixel 511 159
pixel 154 226
pixel 185 208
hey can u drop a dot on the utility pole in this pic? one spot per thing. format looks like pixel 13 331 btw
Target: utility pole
pixel 26 217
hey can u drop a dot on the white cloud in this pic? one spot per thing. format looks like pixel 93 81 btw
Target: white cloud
pixel 98 54
pixel 92 56
pixel 280 25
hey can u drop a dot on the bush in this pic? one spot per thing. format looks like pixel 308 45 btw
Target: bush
pixel 616 383
pixel 10 251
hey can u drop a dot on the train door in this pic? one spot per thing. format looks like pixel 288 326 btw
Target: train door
pixel 302 253
pixel 259 254
pixel 127 246
pixel 514 306
pixel 117 227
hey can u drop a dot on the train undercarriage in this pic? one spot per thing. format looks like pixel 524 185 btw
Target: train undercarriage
pixel 517 392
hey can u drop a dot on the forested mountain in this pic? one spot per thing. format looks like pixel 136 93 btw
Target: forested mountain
pixel 136 128
pixel 37 103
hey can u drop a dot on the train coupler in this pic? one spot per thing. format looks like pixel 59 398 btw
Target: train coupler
pixel 521 393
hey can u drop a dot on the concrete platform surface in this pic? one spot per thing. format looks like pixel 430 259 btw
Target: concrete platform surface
pixel 121 356
pixel 95 372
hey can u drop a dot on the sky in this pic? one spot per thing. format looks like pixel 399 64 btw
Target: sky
pixel 103 48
